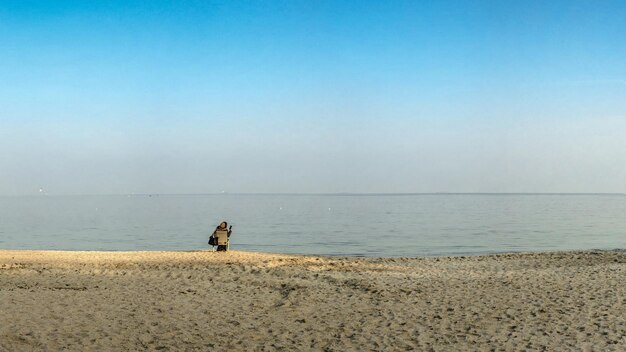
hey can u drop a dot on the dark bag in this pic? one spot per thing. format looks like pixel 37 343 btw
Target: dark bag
pixel 212 241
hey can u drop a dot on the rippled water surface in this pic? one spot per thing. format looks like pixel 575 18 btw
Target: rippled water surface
pixel 363 225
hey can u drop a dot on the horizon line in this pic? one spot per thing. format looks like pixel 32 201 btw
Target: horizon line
pixel 319 194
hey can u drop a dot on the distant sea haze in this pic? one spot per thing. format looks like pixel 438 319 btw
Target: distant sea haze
pixel 356 194
pixel 400 224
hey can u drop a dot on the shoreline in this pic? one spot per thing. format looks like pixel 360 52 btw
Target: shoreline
pixel 199 300
pixel 330 256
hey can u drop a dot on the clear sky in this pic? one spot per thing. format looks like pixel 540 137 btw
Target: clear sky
pixel 100 97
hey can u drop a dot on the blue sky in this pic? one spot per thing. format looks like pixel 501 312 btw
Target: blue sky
pixel 312 96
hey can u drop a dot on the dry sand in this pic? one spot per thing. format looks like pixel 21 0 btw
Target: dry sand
pixel 204 301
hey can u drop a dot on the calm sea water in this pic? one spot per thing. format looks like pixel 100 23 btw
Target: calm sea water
pixel 380 225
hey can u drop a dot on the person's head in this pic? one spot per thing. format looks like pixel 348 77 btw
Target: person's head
pixel 223 225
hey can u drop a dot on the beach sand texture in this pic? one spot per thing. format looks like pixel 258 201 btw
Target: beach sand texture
pixel 205 301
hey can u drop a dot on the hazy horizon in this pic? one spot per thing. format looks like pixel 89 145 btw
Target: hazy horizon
pixel 196 97
pixel 339 194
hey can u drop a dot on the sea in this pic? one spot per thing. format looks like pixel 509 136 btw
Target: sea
pixel 379 225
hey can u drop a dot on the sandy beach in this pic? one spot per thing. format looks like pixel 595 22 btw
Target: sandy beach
pixel 201 301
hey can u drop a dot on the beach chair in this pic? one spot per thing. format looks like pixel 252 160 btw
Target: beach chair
pixel 221 238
